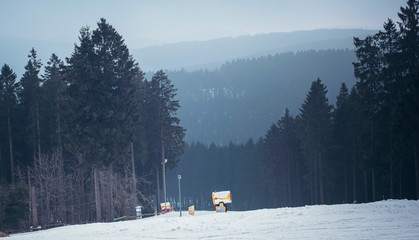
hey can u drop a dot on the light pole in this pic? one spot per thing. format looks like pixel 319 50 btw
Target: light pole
pixel 164 183
pixel 180 199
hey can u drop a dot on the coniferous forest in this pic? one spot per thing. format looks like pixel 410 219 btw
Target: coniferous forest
pixel 363 148
pixel 85 140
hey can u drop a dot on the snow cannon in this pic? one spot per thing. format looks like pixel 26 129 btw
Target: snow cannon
pixel 166 207
pixel 220 200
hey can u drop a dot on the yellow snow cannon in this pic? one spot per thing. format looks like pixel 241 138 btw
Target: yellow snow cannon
pixel 220 200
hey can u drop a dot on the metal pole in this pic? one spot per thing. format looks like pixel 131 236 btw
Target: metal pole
pixel 180 199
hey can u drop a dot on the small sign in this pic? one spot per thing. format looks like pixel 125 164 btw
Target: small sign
pixel 192 210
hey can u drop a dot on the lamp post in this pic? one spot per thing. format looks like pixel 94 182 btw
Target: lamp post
pixel 180 199
pixel 164 183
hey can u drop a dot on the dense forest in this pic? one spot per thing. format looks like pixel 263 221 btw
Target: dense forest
pixel 241 99
pixel 363 148
pixel 87 140
pixel 84 141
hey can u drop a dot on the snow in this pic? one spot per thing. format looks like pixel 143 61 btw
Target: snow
pixel 391 219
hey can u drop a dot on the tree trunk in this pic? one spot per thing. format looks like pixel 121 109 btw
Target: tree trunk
pixel 38 131
pixel 110 193
pixel 299 187
pixel 61 188
pixel 415 154
pixel 373 184
pixel 321 179
pixel 288 180
pixel 391 177
pixel 316 175
pixel 97 197
pixel 12 162
pixel 34 207
pixel 33 201
pixel 158 191
pixel 365 186
pixel 311 172
pixel 48 204
pixel 400 186
pixel 134 179
pixel 346 179
pixel 59 124
pixel 353 176
pixel 1 167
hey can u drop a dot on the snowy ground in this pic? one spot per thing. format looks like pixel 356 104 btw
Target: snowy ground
pixel 391 219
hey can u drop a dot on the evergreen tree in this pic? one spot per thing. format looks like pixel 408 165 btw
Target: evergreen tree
pixel 164 135
pixel 291 154
pixel 80 96
pixel 53 89
pixel 409 46
pixel 30 98
pixel 316 120
pixel 271 165
pixel 104 82
pixel 391 75
pixel 341 137
pixel 370 87
pixel 354 124
pixel 8 90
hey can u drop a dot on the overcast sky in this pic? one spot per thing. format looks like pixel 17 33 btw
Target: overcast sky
pixel 144 23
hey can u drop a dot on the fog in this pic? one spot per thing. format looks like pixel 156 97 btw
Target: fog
pixel 53 26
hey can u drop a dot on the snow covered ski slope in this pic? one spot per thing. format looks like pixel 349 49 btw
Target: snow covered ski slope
pixel 391 219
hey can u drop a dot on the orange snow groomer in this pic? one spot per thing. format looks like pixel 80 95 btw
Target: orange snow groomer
pixel 220 200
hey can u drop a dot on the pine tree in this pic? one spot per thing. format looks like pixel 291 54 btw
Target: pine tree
pixel 104 82
pixel 164 135
pixel 53 88
pixel 370 87
pixel 30 98
pixel 316 120
pixel 291 154
pixel 341 139
pixel 389 46
pixel 8 90
pixel 271 165
pixel 409 46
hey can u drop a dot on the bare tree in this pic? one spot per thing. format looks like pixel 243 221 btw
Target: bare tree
pixel 47 178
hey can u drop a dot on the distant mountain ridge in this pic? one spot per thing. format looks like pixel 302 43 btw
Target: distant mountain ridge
pixel 193 55
pixel 212 54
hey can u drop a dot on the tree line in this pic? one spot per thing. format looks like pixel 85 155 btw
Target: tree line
pixel 84 141
pixel 364 148
pixel 241 99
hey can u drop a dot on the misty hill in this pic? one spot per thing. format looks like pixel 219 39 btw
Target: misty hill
pixel 244 97
pixel 194 55
pixel 213 53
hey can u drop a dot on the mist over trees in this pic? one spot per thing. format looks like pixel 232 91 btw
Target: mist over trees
pixel 363 148
pixel 241 99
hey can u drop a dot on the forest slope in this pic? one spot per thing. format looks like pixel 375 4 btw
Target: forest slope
pixel 244 97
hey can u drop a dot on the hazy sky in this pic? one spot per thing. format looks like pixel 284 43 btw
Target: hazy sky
pixel 143 23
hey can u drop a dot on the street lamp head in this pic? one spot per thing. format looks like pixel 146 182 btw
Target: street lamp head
pixel 179 177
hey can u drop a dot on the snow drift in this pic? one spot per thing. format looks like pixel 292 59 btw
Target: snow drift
pixel 391 219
